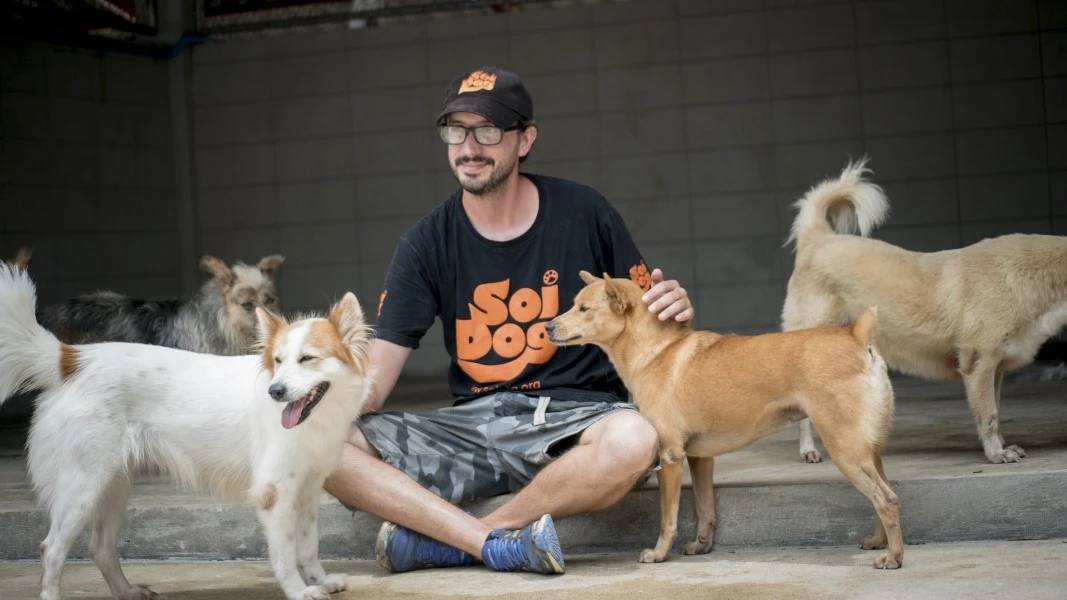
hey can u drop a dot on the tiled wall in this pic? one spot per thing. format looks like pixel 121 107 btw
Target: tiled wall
pixel 86 171
pixel 701 120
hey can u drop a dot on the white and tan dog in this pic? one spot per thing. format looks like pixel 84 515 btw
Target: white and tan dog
pixel 267 428
pixel 971 314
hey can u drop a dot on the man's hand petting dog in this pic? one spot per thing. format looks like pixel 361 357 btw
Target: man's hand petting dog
pixel 668 299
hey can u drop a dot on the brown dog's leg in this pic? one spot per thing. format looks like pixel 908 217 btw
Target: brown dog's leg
pixel 670 488
pixel 980 380
pixel 702 469
pixel 860 469
pixel 878 539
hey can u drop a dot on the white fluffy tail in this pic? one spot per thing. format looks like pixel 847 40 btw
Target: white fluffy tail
pixel 29 354
pixel 850 203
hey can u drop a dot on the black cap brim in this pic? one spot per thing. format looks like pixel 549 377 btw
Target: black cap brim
pixel 483 105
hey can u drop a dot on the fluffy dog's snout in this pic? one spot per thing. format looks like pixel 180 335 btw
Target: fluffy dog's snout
pixel 277 391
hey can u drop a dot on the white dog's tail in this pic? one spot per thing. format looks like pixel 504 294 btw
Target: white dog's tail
pixel 850 203
pixel 29 355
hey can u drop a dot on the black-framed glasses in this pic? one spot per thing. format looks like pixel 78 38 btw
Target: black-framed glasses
pixel 486 135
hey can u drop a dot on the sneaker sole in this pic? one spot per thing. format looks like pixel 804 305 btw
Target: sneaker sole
pixel 381 543
pixel 547 541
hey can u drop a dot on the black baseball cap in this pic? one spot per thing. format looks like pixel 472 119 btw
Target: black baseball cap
pixel 496 94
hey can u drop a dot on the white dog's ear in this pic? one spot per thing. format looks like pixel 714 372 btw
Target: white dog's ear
pixel 268 265
pixel 347 317
pixel 587 277
pixel 218 269
pixel 617 299
pixel 267 325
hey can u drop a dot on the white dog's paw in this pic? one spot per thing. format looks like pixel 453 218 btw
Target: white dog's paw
pixel 138 592
pixel 811 456
pixel 335 582
pixel 1010 454
pixel 315 592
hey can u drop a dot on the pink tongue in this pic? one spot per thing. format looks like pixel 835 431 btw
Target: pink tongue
pixel 291 414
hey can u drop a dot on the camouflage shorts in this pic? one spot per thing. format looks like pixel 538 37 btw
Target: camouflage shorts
pixel 486 447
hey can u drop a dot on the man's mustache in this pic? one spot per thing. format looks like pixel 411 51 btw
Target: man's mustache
pixel 474 159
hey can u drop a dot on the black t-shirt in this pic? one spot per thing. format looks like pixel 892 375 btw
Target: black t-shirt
pixel 494 298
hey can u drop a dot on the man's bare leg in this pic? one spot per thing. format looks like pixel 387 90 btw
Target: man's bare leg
pixel 363 480
pixel 609 458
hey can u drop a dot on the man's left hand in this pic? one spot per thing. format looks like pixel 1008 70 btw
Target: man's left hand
pixel 668 299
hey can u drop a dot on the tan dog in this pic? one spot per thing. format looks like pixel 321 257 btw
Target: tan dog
pixel 707 394
pixel 968 314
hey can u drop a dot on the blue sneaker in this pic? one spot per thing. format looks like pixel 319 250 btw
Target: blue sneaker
pixel 399 549
pixel 534 548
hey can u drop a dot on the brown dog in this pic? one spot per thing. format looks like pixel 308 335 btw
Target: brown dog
pixel 707 394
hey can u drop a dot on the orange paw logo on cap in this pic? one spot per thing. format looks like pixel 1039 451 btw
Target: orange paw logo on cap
pixel 478 81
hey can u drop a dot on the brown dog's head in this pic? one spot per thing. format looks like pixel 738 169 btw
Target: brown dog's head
pixel 600 312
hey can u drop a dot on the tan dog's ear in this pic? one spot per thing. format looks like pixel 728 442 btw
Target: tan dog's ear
pixel 217 269
pixel 269 264
pixel 587 277
pixel 347 317
pixel 617 299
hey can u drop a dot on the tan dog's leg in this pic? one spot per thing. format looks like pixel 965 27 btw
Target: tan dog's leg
pixel 999 385
pixel 980 379
pixel 702 469
pixel 670 488
pixel 807 306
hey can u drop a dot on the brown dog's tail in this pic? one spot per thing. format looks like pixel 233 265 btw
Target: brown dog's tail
pixel 847 204
pixel 863 328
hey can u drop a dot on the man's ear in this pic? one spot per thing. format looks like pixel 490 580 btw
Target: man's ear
pixel 617 299
pixel 527 137
pixel 587 277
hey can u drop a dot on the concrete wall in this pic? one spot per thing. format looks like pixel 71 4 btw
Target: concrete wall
pixel 700 120
pixel 85 173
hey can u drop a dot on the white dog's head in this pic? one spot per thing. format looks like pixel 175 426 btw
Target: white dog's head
pixel 308 357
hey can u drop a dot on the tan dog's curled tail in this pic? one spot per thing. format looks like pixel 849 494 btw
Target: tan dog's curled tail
pixel 863 328
pixel 850 204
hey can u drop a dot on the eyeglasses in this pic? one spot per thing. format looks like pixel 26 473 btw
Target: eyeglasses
pixel 486 135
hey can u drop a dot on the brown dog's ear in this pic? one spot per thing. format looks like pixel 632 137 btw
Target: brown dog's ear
pixel 217 269
pixel 269 264
pixel 587 277
pixel 617 299
pixel 347 318
pixel 22 258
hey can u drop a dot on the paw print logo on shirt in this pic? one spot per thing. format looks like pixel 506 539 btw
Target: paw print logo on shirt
pixel 640 275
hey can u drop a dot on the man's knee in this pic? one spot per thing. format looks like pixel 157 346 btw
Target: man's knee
pixel 629 441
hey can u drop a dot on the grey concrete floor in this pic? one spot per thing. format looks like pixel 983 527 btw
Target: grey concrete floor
pixel 1034 570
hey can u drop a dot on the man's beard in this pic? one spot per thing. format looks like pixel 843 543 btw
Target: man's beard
pixel 498 174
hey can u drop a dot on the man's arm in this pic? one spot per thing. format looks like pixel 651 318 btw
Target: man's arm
pixel 386 360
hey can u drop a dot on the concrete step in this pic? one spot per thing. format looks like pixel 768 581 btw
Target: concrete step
pixel 765 497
